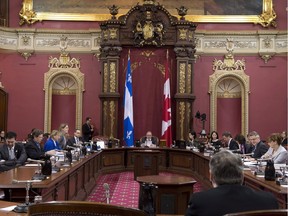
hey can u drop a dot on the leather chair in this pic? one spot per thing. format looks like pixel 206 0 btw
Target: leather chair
pixel 81 208
pixel 276 212
pixel 156 140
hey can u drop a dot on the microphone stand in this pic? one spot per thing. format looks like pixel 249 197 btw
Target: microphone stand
pixel 23 208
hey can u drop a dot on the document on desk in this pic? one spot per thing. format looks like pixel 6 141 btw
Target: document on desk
pixel 8 209
pixel 32 165
pixel 250 163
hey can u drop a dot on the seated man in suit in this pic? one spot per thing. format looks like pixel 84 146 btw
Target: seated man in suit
pixel 12 154
pixel 228 194
pixel 33 147
pixel 229 142
pixel 76 140
pixel 259 148
pixel 149 140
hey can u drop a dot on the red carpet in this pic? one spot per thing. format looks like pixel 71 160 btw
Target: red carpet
pixel 124 191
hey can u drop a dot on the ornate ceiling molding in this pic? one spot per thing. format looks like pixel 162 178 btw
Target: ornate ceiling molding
pixel 265 43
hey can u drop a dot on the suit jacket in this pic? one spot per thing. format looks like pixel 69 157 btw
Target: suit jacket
pixel 259 150
pixel 226 199
pixel 72 141
pixel 233 145
pixel 62 141
pixel 20 155
pixel 49 145
pixel 87 132
pixel 33 151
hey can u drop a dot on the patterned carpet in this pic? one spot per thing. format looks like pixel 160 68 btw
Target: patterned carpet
pixel 124 191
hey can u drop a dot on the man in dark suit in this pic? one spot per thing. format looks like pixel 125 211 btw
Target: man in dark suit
pixel 76 140
pixel 149 140
pixel 33 147
pixel 87 130
pixel 231 143
pixel 12 154
pixel 228 194
pixel 260 148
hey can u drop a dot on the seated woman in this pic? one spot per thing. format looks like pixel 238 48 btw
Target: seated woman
pixel 52 142
pixel 191 141
pixel 149 140
pixel 214 140
pixel 276 152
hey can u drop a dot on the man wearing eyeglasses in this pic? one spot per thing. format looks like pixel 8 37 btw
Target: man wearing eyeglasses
pixel 259 148
pixel 12 154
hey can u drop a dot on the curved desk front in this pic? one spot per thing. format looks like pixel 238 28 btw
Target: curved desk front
pixel 76 182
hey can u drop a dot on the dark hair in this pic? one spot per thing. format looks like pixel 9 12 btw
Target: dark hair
pixel 46 135
pixel 193 133
pixel 226 168
pixel 226 134
pixel 10 135
pixel 240 138
pixel 36 133
pixel 215 133
pixel 88 118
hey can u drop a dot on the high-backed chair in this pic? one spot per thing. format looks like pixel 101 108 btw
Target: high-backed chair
pixel 276 212
pixel 154 139
pixel 81 208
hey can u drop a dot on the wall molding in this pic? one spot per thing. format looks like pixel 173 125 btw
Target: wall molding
pixel 264 43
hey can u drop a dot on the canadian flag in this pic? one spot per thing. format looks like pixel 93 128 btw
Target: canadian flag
pixel 166 120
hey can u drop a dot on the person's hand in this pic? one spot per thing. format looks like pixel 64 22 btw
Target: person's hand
pixel 51 152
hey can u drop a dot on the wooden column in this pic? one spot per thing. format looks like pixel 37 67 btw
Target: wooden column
pixel 184 96
pixel 110 54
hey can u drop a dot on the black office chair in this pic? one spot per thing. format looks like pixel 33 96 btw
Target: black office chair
pixel 81 208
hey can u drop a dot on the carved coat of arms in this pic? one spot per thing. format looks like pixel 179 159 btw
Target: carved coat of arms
pixel 148 32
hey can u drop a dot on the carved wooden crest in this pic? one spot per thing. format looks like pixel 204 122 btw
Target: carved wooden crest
pixel 148 31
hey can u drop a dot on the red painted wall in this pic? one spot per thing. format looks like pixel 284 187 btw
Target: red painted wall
pixel 268 97
pixel 24 80
pixel 229 115
pixel 63 111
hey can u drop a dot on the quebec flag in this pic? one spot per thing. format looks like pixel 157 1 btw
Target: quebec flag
pixel 128 107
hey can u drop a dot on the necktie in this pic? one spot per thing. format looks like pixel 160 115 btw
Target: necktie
pixel 11 153
pixel 242 149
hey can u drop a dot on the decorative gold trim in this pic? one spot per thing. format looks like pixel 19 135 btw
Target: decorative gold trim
pixel 214 80
pixel 49 78
pixel 267 18
pixel 181 118
pixel 182 70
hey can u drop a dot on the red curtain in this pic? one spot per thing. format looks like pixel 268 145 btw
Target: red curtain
pixel 148 67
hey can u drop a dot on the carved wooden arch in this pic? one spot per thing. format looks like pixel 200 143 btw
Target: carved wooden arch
pixel 49 78
pixel 147 25
pixel 214 80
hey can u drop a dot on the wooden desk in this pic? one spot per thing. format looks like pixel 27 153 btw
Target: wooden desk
pixel 71 183
pixel 146 162
pixel 4 204
pixel 172 193
pixel 77 181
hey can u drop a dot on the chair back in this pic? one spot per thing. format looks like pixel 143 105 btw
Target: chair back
pixel 155 138
pixel 276 212
pixel 81 208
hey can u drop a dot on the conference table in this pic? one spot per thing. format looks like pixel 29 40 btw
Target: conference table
pixel 77 181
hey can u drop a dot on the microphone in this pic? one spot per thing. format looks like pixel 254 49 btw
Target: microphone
pixel 37 161
pixel 118 140
pixel 14 181
pixel 70 147
pixel 107 192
